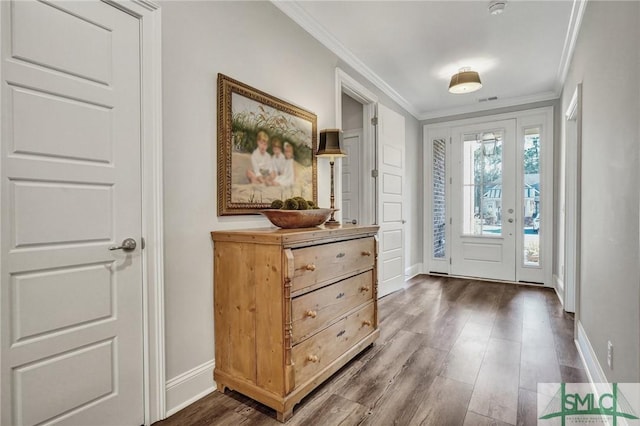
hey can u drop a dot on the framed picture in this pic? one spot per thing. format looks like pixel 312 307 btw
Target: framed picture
pixel 266 149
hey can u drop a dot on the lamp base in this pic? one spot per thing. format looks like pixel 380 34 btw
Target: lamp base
pixel 332 223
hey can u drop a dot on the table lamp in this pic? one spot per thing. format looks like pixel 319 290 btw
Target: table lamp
pixel 331 146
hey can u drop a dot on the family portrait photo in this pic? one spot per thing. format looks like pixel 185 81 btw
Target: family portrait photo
pixel 267 147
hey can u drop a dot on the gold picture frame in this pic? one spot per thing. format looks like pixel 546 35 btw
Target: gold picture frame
pixel 266 149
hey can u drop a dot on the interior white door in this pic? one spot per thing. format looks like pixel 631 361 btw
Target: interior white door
pixel 71 308
pixel 391 146
pixel 483 200
pixel 351 177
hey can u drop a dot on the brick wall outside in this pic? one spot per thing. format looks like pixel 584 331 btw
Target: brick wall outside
pixel 439 187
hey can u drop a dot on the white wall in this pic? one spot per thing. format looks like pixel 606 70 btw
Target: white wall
pixel 255 43
pixel 607 61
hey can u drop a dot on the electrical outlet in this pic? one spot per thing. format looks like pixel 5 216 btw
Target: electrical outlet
pixel 610 354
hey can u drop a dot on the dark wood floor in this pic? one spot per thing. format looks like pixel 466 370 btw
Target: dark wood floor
pixel 451 352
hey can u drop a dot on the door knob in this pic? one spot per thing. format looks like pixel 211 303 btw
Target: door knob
pixel 355 222
pixel 510 220
pixel 128 244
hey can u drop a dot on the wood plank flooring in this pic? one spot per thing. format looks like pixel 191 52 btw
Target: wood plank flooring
pixel 451 352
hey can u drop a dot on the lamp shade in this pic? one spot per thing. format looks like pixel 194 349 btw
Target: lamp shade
pixel 465 81
pixel 330 143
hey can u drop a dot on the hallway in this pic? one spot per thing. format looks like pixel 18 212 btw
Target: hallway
pixel 451 352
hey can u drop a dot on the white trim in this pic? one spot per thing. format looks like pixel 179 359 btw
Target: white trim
pixel 313 27
pixel 148 4
pixel 300 16
pixel 577 12
pixel 486 106
pixel 412 271
pixel 190 386
pixel 491 117
pixel 431 264
pixel 573 200
pixel 572 110
pixel 558 285
pixel 348 85
pixel 149 14
pixel 588 356
pixel 595 374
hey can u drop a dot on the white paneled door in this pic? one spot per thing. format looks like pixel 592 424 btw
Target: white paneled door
pixel 483 201
pixel 351 177
pixel 71 308
pixel 391 142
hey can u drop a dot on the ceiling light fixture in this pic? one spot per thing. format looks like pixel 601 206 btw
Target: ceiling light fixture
pixel 465 81
pixel 496 7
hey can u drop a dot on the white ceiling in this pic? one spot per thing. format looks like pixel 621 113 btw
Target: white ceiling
pixel 410 49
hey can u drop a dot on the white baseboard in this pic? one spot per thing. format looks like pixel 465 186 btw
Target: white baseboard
pixel 412 271
pixel 558 284
pixel 189 387
pixel 589 359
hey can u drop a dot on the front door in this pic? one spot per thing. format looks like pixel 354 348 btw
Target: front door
pixel 71 302
pixel 483 200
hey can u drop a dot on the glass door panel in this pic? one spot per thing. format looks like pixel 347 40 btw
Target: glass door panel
pixel 482 183
pixel 483 200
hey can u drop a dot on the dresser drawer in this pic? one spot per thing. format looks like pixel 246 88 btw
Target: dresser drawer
pixel 313 311
pixel 315 353
pixel 325 262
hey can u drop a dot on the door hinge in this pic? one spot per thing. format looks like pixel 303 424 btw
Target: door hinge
pixel 143 243
pixel 374 173
pixel 450 181
pixel 450 221
pixel 374 121
pixel 450 261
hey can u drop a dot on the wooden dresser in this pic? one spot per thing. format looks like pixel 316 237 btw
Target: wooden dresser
pixel 291 307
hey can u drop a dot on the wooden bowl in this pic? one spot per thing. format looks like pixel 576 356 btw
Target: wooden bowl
pixel 290 219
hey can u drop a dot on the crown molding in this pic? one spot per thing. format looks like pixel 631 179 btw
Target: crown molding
pixel 577 13
pixel 300 16
pixel 296 12
pixel 491 105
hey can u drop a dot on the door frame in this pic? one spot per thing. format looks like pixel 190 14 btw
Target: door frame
pixel 573 204
pixel 369 154
pixel 149 15
pixel 443 130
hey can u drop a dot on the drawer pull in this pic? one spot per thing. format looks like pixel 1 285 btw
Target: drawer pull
pixel 364 288
pixel 311 314
pixel 310 267
pixel 340 296
pixel 339 255
pixel 366 323
pixel 366 253
pixel 341 333
pixel 313 358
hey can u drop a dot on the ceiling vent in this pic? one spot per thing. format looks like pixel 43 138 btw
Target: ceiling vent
pixel 489 99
